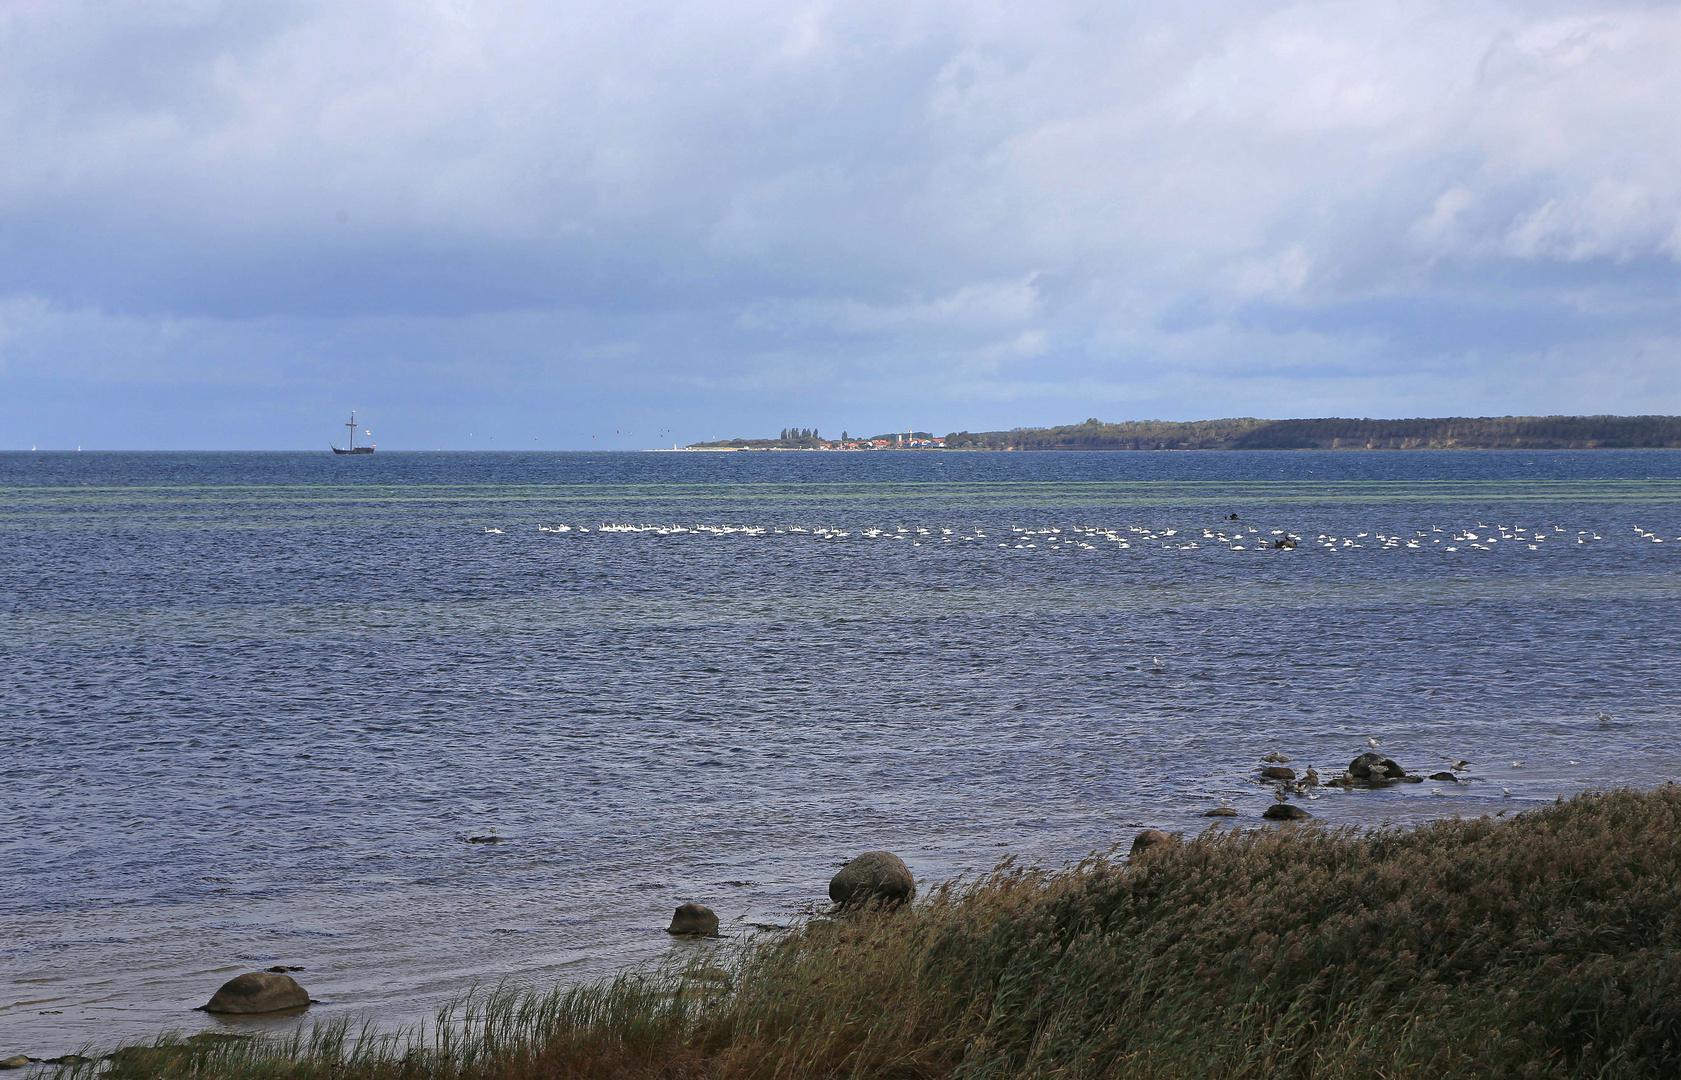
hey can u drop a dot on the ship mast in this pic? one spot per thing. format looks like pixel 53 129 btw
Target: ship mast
pixel 352 427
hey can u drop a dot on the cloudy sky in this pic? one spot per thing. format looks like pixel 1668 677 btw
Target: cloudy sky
pixel 524 224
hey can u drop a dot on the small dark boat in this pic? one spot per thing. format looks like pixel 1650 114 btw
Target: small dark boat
pixel 354 449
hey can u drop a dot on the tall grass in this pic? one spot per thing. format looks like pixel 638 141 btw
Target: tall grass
pixel 1546 945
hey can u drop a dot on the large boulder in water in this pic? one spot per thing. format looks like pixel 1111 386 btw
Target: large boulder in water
pixel 1283 811
pixel 257 992
pixel 1369 766
pixel 1146 840
pixel 694 920
pixel 874 875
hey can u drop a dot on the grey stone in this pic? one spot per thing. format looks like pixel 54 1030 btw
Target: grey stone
pixel 257 992
pixel 1284 811
pixel 1369 766
pixel 1278 772
pixel 1220 811
pixel 1445 776
pixel 694 920
pixel 873 875
pixel 1148 839
pixel 16 1061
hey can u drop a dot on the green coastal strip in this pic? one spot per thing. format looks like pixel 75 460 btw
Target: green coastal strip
pixel 1277 490
pixel 288 506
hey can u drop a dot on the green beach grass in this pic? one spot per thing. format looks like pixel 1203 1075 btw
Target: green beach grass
pixel 1537 945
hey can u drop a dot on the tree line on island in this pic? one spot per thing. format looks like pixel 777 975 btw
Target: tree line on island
pixel 1249 433
pixel 811 439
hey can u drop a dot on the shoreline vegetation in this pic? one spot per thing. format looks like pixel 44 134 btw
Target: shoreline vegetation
pixel 1545 944
pixel 1248 433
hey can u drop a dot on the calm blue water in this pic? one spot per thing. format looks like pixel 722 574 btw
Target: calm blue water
pixel 253 703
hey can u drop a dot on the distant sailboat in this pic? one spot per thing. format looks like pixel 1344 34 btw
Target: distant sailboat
pixel 354 449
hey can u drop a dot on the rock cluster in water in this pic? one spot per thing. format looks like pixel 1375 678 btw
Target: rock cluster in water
pixel 1369 770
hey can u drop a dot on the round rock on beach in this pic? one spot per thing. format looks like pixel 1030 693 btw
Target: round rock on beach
pixel 693 920
pixel 257 992
pixel 874 875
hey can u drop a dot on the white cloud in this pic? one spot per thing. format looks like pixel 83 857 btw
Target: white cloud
pixel 1279 276
pixel 980 306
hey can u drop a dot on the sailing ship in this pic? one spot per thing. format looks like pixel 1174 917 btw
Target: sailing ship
pixel 354 449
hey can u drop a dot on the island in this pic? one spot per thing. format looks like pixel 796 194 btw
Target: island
pixel 1249 433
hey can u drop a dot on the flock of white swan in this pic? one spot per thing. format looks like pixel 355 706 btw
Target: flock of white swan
pixel 1226 536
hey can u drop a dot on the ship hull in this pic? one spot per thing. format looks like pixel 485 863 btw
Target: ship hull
pixel 354 450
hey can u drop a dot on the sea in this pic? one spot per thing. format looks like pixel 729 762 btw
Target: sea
pixel 423 724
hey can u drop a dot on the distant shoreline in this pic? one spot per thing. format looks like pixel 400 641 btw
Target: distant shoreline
pixel 1249 433
pixel 1100 449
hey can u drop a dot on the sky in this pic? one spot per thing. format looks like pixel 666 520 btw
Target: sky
pixel 562 225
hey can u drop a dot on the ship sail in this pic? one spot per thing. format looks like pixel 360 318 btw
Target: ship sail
pixel 353 448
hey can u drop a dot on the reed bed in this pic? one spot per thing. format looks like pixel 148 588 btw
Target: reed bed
pixel 1542 945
